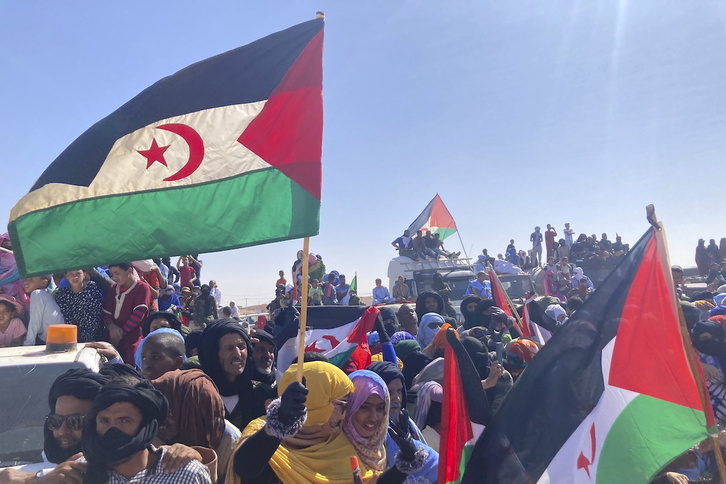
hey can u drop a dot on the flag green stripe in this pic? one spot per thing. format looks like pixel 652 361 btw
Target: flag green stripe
pixel 646 435
pixel 342 358
pixel 444 232
pixel 465 456
pixel 250 209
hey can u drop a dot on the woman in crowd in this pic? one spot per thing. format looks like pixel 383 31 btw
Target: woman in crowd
pixel 395 382
pixel 225 352
pixel 81 304
pixel 301 439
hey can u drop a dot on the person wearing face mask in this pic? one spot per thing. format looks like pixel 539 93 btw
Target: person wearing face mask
pixel 117 438
pixel 469 310
pixel 708 338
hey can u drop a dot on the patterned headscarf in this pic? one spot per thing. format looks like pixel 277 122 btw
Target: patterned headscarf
pixel 371 450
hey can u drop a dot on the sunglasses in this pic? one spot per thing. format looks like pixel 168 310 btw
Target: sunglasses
pixel 73 421
pixel 515 360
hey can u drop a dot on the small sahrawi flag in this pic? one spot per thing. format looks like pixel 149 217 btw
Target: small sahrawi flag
pixel 225 153
pixel 610 398
pixel 464 413
pixel 436 218
pixel 338 332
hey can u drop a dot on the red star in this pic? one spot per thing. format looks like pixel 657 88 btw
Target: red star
pixel 154 153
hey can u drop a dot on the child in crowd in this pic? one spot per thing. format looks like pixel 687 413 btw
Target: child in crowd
pixel 316 293
pixel 12 329
pixel 44 311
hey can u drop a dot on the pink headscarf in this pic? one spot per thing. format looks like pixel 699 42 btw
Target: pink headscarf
pixel 372 451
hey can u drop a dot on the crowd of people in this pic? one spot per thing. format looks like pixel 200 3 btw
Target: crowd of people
pixel 183 378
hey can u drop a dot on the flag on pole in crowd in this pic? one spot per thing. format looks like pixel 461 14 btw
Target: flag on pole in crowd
pixel 230 145
pixel 533 322
pixel 611 397
pixel 436 218
pixel 463 412
pixel 502 301
pixel 338 332
pixel 354 283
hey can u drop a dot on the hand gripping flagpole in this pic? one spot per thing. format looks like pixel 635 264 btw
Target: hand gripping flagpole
pixel 685 338
pixel 303 311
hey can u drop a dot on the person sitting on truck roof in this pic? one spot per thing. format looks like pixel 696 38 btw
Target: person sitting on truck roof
pixel 404 245
pixel 439 250
pixel 479 286
pixel 428 302
pixel 419 245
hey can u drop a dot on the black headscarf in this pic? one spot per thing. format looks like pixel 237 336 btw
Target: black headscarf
pixel 471 318
pixel 478 354
pixel 413 363
pixel 421 306
pixel 251 397
pixel 389 372
pixel 103 451
pixel 191 341
pixel 388 315
pixel 486 319
pixel 81 383
pixel 209 355
pixel 252 369
pixel 712 347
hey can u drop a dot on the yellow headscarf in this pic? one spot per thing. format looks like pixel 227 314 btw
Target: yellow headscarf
pixel 326 462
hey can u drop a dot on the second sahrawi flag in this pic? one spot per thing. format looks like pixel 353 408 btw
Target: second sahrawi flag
pixel 225 153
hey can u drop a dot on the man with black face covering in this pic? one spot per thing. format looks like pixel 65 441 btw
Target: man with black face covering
pixel 469 310
pixel 117 438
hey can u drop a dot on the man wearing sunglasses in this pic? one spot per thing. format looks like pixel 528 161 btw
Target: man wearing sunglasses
pixel 70 399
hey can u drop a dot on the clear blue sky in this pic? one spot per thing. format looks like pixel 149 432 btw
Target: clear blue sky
pixel 517 113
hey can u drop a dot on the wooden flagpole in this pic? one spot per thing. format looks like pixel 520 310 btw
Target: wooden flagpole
pixel 303 310
pixel 685 338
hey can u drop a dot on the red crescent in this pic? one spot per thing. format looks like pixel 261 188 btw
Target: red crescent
pixel 196 149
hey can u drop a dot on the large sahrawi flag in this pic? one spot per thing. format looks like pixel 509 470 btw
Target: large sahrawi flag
pixel 610 398
pixel 225 153
pixel 436 218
